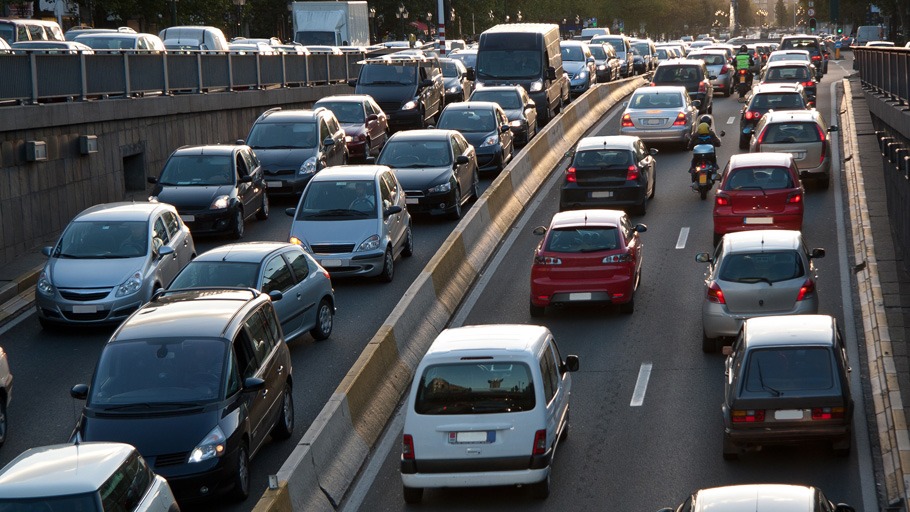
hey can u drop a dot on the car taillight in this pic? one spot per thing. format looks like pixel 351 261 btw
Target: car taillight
pixel 632 173
pixel 626 121
pixel 540 443
pixel 761 137
pixel 809 83
pixel 816 57
pixel 326 274
pixel 724 69
pixel 680 120
pixel 795 198
pixel 721 200
pixel 652 84
pixel 823 138
pixel 617 258
pixel 703 86
pixel 742 71
pixel 747 416
pixel 547 260
pixel 827 413
pixel 715 294
pixel 751 114
pixel 806 290
pixel 570 175
pixel 407 447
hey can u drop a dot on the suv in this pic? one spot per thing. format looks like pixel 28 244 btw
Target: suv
pixel 767 97
pixel 644 58
pixel 197 380
pixel 293 145
pixel 410 89
pixel 691 74
pixel 803 134
pixel 812 44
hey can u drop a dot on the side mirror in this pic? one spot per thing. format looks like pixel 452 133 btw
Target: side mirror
pixel 625 104
pixel 590 60
pixel 391 210
pixel 239 142
pixel 253 384
pixel 551 73
pixel 47 251
pixel 461 160
pixel 372 117
pixel 818 252
pixel 504 128
pixel 640 228
pixel 290 211
pixel 727 350
pixel 703 257
pixel 723 133
pixel 571 363
pixel 328 142
pixel 653 151
pixel 79 391
pixel 165 250
pixel 352 82
pixel 276 295
pixel 152 180
pixel 696 103
pixel 539 231
pixel 246 179
pixel 426 83
pixel 833 128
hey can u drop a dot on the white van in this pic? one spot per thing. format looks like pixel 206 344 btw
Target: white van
pixel 194 37
pixel 487 406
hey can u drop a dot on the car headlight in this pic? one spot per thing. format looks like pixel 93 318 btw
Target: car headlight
pixel 44 283
pixel 490 141
pixel 442 187
pixel 582 74
pixel 130 286
pixel 348 138
pixel 211 446
pixel 454 89
pixel 602 67
pixel 220 203
pixel 296 241
pixel 537 86
pixel 411 105
pixel 516 123
pixel 308 167
pixel 153 199
pixel 370 244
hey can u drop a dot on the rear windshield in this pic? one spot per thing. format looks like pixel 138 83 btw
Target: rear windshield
pixel 777 101
pixel 789 56
pixel 767 267
pixel 475 388
pixel 583 239
pixel 809 44
pixel 656 100
pixel 217 273
pixel 382 74
pixel 347 112
pixel 287 135
pixel 787 369
pixel 661 53
pixel 679 74
pixel 759 178
pixel 449 69
pixel 601 158
pixel 787 74
pixel 791 133
pixel 711 59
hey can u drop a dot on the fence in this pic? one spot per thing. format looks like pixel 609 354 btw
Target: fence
pixel 886 71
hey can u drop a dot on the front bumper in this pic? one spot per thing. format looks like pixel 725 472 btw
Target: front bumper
pixel 209 221
pixel 357 150
pixel 489 158
pixel 209 479
pixel 106 311
pixel 439 203
pixel 579 86
pixel 405 118
pixel 288 184
pixel 357 264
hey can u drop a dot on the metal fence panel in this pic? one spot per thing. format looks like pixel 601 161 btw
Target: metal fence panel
pixel 216 74
pixel 146 73
pixel 887 70
pixel 317 67
pixel 59 75
pixel 183 72
pixel 295 68
pixel 16 84
pixel 271 70
pixel 338 68
pixel 244 70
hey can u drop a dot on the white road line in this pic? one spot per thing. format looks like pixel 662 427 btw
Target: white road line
pixel 641 385
pixel 683 235
pixel 730 120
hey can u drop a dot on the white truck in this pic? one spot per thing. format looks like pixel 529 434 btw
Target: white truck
pixel 331 23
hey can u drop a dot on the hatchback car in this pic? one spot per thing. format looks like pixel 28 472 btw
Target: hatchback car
pixel 457 80
pixel 791 72
pixel 803 134
pixel 197 380
pixel 752 497
pixel 436 168
pixel 718 67
pixel 518 106
pixel 486 127
pixel 623 48
pixel 365 125
pixel 579 64
pixel 756 273
pixel 214 188
pixel 660 114
pixel 797 55
pixel 606 62
pixel 110 260
pixel 777 97
pixel 691 74
pixel 644 56
pixel 609 172
pixel 293 145
pixel 301 290
pixel 758 191
pixel 354 220
pixel 810 43
pixel 787 382
pixel 587 256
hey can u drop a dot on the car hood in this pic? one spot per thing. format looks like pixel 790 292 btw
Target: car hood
pixel 352 231
pixel 423 178
pixel 476 138
pixel 452 81
pixel 573 66
pixel 193 197
pixel 284 158
pixel 389 93
pixel 352 129
pixel 152 435
pixel 93 273
pixel 513 114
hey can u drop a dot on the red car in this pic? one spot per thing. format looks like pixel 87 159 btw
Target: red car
pixel 758 191
pixel 587 256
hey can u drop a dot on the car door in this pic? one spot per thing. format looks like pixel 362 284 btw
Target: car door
pixel 645 163
pixel 276 275
pixel 180 238
pixel 307 290
pixel 257 344
pixel 530 110
pixel 375 131
pixel 338 150
pixel 391 223
pixel 245 189
pixel 462 172
pixel 166 267
pixel 505 137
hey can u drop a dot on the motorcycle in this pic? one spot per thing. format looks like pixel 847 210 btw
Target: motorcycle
pixel 703 169
pixel 743 82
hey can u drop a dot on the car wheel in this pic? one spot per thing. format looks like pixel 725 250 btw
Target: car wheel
pixel 408 249
pixel 541 490
pixel 263 213
pixel 842 448
pixel 455 212
pixel 237 232
pixel 653 186
pixel 627 308
pixel 325 319
pixel 537 311
pixel 731 451
pixel 3 420
pixel 241 478
pixel 388 266
pixel 708 345
pixel 412 494
pixel 475 186
pixel 285 425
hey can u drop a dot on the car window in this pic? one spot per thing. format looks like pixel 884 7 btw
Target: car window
pixel 791 133
pixel 475 388
pixel 678 74
pixel 385 193
pixel 249 160
pixel 270 317
pixel 547 376
pixel 766 267
pixel 171 222
pixel 246 354
pixel 260 339
pixel 777 101
pixel 786 369
pixel 241 166
pixel 123 490
pixel 603 159
pixel 233 373
pixel 627 229
pixel 788 74
pixel 582 239
pixel 299 264
pixel 333 122
pixel 276 275
pixel 159 234
pixel 759 178
pixel 324 132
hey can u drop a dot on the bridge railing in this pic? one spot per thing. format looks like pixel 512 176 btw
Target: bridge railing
pixel 885 70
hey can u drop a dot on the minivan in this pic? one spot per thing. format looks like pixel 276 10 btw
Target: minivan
pixel 410 89
pixel 194 38
pixel 487 407
pixel 15 30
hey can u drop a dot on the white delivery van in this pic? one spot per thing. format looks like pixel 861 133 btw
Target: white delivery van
pixel 194 37
pixel 487 407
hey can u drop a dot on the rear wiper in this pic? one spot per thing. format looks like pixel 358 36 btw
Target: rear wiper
pixel 755 280
pixel 752 187
pixel 761 382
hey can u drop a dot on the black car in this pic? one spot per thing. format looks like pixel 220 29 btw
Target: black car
pixel 767 97
pixel 458 80
pixel 644 58
pixel 691 74
pixel 436 168
pixel 606 61
pixel 409 88
pixel 485 125
pixel 214 188
pixel 518 106
pixel 197 380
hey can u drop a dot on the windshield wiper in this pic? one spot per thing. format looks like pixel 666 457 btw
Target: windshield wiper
pixel 761 381
pixel 70 256
pixel 755 280
pixel 387 82
pixel 153 405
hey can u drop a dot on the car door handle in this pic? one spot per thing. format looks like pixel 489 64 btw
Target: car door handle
pixel 265 392
pixel 281 369
pixel 298 296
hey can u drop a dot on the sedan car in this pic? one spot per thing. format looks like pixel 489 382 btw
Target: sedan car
pixel 787 382
pixel 365 125
pixel 752 497
pixel 609 172
pixel 51 47
pixel 457 80
pixel 803 134
pixel 777 97
pixel 606 62
pixel 110 260
pixel 518 106
pixel 587 256
pixel 214 188
pixel 756 273
pixel 691 74
pixel 660 114
pixel 791 72
pixel 758 191
pixel 718 67
pixel 579 64
pixel 301 290
pixel 436 168
pixel 486 127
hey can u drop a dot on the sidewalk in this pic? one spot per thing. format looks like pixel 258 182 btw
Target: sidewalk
pixel 17 285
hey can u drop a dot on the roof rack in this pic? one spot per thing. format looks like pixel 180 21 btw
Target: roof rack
pixel 394 60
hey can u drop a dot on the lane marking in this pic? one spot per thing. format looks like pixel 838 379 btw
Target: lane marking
pixel 641 385
pixel 730 120
pixel 683 235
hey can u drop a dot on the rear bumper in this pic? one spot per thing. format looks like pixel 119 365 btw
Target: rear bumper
pixel 734 223
pixel 577 198
pixel 476 472
pixel 788 435
pixel 719 322
pixel 675 134
pixel 616 290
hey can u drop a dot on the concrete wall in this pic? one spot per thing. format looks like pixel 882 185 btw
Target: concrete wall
pixel 135 137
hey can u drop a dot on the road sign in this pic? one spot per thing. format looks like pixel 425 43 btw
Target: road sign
pixel 811 12
pixel 811 3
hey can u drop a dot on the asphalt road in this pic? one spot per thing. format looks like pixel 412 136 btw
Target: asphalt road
pixel 638 458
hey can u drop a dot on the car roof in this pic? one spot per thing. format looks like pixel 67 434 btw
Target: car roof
pixel 755 159
pixel 120 211
pixel 244 252
pixel 791 115
pixel 598 217
pixel 472 105
pixel 607 142
pixel 677 89
pixel 705 51
pixel 499 88
pixel 570 42
pixel 788 330
pixel 762 240
pixel 749 498
pixel 786 63
pixel 347 98
pixel 61 469
pixel 776 88
pixel 207 149
pixel 682 62
pixel 349 172
pixel 277 116
pixel 487 338
pixel 423 134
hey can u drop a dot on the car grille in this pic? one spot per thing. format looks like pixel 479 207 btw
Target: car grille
pixel 279 172
pixel 171 459
pixel 332 248
pixel 414 193
pixel 85 317
pixel 390 107
pixel 84 296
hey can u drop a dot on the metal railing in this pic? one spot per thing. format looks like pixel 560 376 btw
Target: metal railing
pixel 39 77
pixel 885 70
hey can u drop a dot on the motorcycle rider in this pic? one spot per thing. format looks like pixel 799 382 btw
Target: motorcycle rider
pixel 705 135
pixel 743 60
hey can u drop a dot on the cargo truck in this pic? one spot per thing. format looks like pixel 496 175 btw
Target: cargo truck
pixel 331 23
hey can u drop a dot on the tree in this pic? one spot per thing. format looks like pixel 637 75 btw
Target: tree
pixel 780 14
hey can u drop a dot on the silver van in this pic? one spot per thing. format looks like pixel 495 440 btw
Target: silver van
pixel 487 407
pixel 194 38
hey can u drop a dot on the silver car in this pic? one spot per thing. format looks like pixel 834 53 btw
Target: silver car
pixel 718 67
pixel 300 288
pixel 660 114
pixel 756 273
pixel 354 220
pixel 109 261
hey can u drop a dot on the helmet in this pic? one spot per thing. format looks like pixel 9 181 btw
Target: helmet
pixel 704 129
pixel 706 119
pixel 744 48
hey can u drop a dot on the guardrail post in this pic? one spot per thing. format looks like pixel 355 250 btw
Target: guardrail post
pixel 83 80
pixel 34 72
pixel 128 92
pixel 166 83
pixel 199 73
pixel 306 70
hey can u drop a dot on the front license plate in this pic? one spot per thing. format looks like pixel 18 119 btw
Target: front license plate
pixel 758 220
pixel 274 184
pixel 580 296
pixel 788 414
pixel 85 309
pixel 411 200
pixel 188 218
pixel 331 263
pixel 473 437
pixel 602 194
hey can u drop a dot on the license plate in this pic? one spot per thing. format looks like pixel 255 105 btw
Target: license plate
pixel 331 263
pixel 188 218
pixel 274 184
pixel 798 155
pixel 473 437
pixel 411 200
pixel 742 79
pixel 580 296
pixel 758 220
pixel 702 179
pixel 653 122
pixel 85 309
pixel 602 194
pixel 788 414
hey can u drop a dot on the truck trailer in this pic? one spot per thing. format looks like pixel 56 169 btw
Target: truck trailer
pixel 331 23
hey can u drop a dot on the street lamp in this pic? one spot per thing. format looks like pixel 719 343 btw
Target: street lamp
pixel 239 4
pixel 373 34
pixel 518 17
pixel 402 15
pixel 507 18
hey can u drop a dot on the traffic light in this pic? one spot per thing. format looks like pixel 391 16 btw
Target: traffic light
pixel 840 30
pixel 812 24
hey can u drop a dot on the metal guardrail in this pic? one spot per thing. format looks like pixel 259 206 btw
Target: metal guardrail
pixel 39 77
pixel 885 70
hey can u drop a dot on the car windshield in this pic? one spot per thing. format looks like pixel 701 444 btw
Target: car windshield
pixel 617 45
pixel 103 239
pixel 217 273
pixel 468 120
pixel 785 370
pixel 159 374
pixel 710 59
pixel 642 48
pixel 73 502
pixel 198 170
pixel 450 69
pixel 598 51
pixel 766 267
pixel 755 178
pixel 647 100
pixel 108 43
pixel 508 64
pixel 469 59
pixel 791 133
pixel 383 74
pixel 787 74
pixel 583 239
pixel 777 101
pixel 677 74
pixel 475 388
pixel 338 200
pixel 661 53
pixel 300 135
pixel 401 154
pixel 347 112
pixel 602 159
pixel 570 53
pixel 508 100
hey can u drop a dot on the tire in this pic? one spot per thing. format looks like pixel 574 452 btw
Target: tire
pixel 412 494
pixel 703 193
pixel 475 186
pixel 325 319
pixel 4 422
pixel 627 308
pixel 263 213
pixel 388 267
pixel 408 249
pixel 708 345
pixel 455 213
pixel 541 490
pixel 368 149
pixel 241 478
pixel 536 311
pixel 237 231
pixel 642 208
pixel 284 427
pixel 731 451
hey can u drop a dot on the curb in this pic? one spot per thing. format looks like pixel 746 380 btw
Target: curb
pixel 18 295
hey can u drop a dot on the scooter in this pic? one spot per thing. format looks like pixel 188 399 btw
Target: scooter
pixel 743 82
pixel 704 169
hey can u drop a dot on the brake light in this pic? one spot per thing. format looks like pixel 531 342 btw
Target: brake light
pixel 680 120
pixel 795 198
pixel 326 274
pixel 747 416
pixel 809 83
pixel 715 294
pixel 407 447
pixel 702 86
pixel 626 121
pixel 750 115
pixel 652 84
pixel 821 158
pixel 742 71
pixel 547 260
pixel 721 200
pixel 570 175
pixel 618 258
pixel 632 174
pixel 540 443
pixel 816 57
pixel 807 289
pixel 724 69
pixel 761 136
pixel 827 413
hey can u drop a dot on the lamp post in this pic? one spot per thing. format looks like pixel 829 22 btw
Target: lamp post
pixel 239 4
pixel 402 14
pixel 173 13
pixel 373 37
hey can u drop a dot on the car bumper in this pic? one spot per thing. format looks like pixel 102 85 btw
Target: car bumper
pixel 788 435
pixel 721 83
pixel 405 118
pixel 604 75
pixel 579 87
pixel 475 472
pixel 101 312
pixel 453 97
pixel 821 170
pixel 719 322
pixel 600 197
pixel 734 223
pixel 433 204
pixel 489 158
pixel 617 289
pixel 202 484
pixel 286 184
pixel 675 134
pixel 367 264
pixel 520 134
pixel 208 221
pixel 356 151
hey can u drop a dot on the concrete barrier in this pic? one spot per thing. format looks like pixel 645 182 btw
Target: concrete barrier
pixel 327 458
